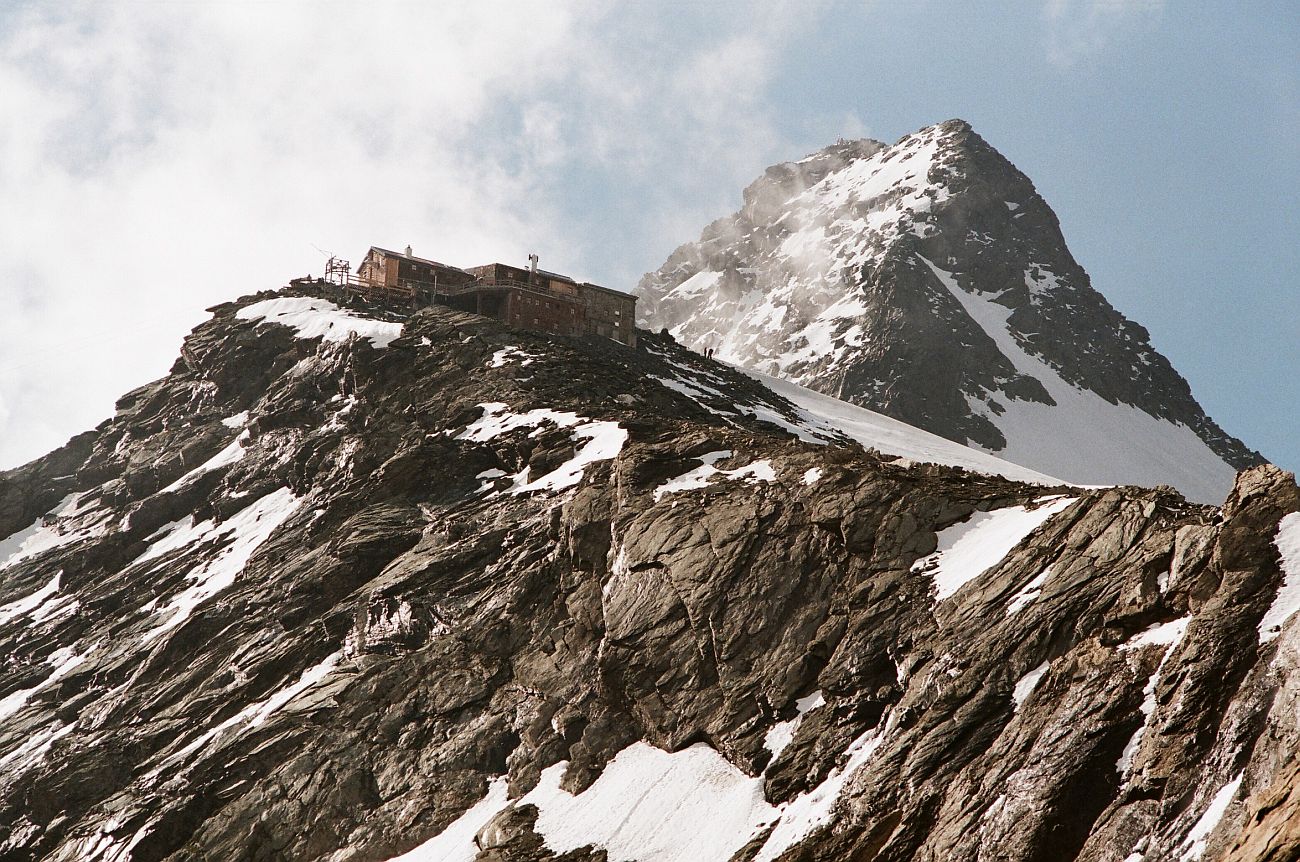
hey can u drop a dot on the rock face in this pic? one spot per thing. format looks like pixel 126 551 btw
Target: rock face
pixel 928 280
pixel 348 586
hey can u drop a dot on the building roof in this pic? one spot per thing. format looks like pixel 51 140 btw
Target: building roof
pixel 556 275
pixel 414 259
pixel 622 293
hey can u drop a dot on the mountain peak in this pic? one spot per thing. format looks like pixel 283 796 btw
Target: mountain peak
pixel 929 280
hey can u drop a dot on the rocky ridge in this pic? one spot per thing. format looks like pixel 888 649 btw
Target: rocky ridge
pixel 351 584
pixel 930 281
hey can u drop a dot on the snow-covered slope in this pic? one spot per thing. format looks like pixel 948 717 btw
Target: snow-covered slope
pixel 929 280
pixel 818 418
pixel 877 431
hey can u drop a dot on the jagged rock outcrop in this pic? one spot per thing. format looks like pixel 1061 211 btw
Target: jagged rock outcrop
pixel 510 597
pixel 930 281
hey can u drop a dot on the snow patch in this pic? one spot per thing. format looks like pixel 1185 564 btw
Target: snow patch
pixel 1287 600
pixel 1194 844
pixel 231 454
pixel 65 661
pixel 33 750
pixel 1164 634
pixel 1029 592
pixel 1168 635
pixel 781 734
pixel 456 842
pixel 256 713
pixel 702 476
pixel 320 318
pixel 244 533
pixel 1026 684
pixel 67 523
pixel 27 604
pixel 498 419
pixel 604 442
pixel 509 354
pixel 974 546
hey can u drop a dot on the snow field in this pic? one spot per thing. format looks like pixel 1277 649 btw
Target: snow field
pixel 320 318
pixel 1138 448
pixel 827 415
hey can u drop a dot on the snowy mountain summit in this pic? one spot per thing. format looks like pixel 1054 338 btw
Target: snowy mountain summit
pixel 928 280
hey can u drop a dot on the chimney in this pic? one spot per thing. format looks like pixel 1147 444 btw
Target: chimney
pixel 408 251
pixel 532 264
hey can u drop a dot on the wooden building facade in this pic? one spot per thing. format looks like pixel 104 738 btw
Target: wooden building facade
pixel 523 298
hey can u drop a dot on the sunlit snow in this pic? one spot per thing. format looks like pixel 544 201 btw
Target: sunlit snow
pixel 1029 592
pixel 1168 635
pixel 242 534
pixel 703 475
pixel 68 522
pixel 456 842
pixel 256 713
pixel 969 549
pixel 1026 684
pixel 1139 448
pixel 232 453
pixel 1287 600
pixel 1193 846
pixel 28 604
pixel 320 318
pixel 64 662
pixel 876 431
pixel 601 441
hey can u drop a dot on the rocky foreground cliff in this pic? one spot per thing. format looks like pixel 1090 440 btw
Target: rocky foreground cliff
pixel 930 280
pixel 353 585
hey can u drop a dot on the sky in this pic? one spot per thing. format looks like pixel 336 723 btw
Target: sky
pixel 157 158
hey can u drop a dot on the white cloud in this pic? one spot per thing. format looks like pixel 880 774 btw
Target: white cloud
pixel 170 156
pixel 1076 29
